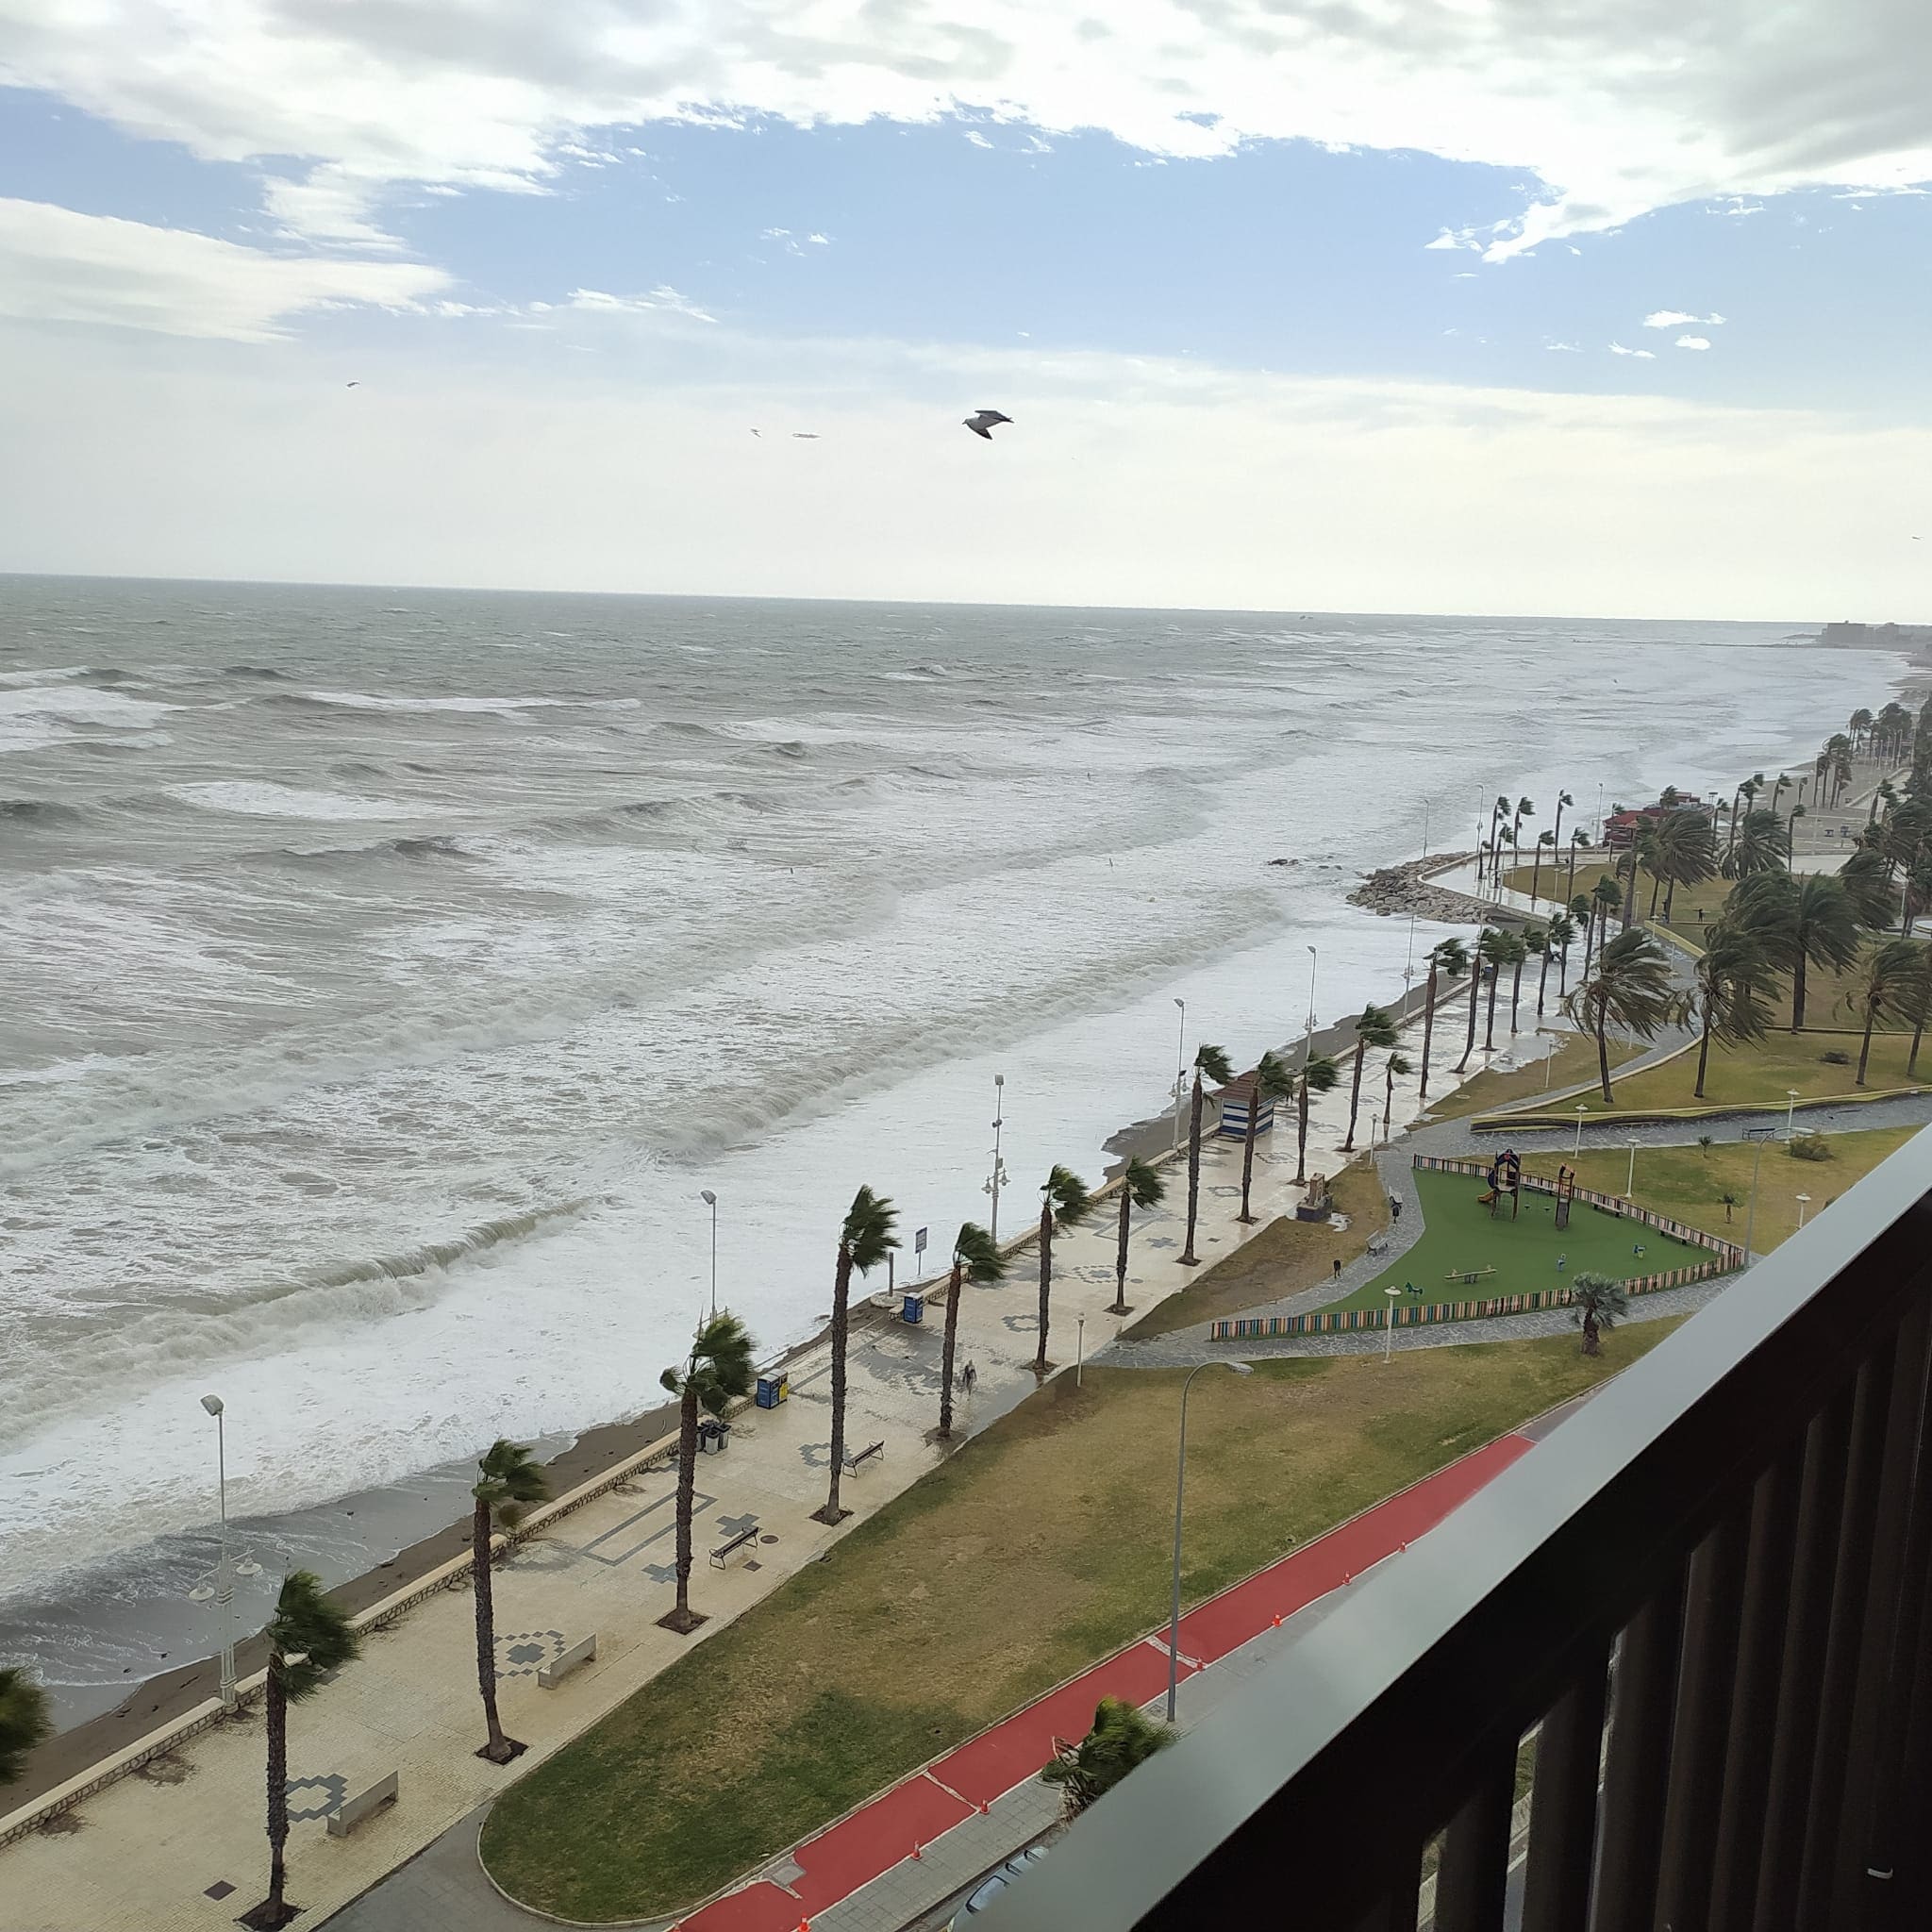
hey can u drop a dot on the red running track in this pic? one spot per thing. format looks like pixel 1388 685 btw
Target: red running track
pixel 913 1812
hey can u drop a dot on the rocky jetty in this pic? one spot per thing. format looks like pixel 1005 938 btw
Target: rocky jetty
pixel 1411 887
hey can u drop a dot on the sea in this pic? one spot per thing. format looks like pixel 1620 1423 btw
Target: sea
pixel 385 973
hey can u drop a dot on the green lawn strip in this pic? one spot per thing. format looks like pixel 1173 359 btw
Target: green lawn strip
pixel 1459 1232
pixel 1689 1183
pixel 1040 1547
pixel 1575 1061
pixel 1760 1073
pixel 1282 1259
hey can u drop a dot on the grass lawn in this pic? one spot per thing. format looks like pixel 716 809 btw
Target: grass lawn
pixel 1040 1547
pixel 1707 896
pixel 1459 1232
pixel 1690 1182
pixel 1761 1073
pixel 1284 1258
pixel 1575 1061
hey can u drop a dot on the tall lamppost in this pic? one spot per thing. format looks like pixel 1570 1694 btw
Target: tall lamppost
pixel 1308 1037
pixel 222 1590
pixel 998 1177
pixel 1394 1295
pixel 1751 1210
pixel 1180 1070
pixel 1630 1184
pixel 1576 1152
pixel 710 1201
pixel 1790 1111
pixel 1180 1485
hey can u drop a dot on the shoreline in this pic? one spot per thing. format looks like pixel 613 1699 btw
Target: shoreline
pixel 155 1700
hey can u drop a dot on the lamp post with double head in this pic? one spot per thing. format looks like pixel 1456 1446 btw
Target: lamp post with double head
pixel 221 1589
pixel 1180 1489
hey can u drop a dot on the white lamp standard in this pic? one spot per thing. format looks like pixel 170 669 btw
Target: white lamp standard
pixel 998 1177
pixel 1576 1152
pixel 1630 1184
pixel 1751 1210
pixel 1180 1485
pixel 1309 1039
pixel 1180 1070
pixel 222 1590
pixel 710 1201
pixel 1079 1349
pixel 1394 1294
pixel 1804 1202
pixel 1790 1109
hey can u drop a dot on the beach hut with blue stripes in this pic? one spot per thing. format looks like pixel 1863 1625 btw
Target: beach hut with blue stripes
pixel 1234 1101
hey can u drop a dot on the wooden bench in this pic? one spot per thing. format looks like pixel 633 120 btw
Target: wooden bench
pixel 1761 1133
pixel 1378 1244
pixel 866 1454
pixel 560 1667
pixel 1469 1275
pixel 352 1811
pixel 722 1553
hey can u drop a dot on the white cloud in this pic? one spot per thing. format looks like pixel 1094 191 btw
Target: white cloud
pixel 1644 355
pixel 1130 480
pixel 1569 348
pixel 977 139
pixel 1676 318
pixel 1693 341
pixel 661 300
pixel 819 241
pixel 60 266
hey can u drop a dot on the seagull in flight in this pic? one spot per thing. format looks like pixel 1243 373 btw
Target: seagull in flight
pixel 354 385
pixel 981 422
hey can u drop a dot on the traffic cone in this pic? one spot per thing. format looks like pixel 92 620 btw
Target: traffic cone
pixel 917 1850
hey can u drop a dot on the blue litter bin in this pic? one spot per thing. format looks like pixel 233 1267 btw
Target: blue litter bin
pixel 913 1309
pixel 772 1390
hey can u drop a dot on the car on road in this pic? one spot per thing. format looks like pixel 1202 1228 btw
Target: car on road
pixel 992 1885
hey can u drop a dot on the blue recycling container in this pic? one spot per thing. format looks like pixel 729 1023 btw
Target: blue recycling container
pixel 772 1390
pixel 913 1309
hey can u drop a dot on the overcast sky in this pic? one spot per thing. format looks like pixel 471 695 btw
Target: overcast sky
pixel 1390 304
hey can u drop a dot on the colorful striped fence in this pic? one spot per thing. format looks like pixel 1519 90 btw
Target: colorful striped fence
pixel 1726 1255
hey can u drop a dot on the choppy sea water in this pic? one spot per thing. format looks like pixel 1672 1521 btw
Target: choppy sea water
pixel 386 972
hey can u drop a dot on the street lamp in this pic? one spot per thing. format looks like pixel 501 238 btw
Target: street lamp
pixel 1309 1039
pixel 1751 1210
pixel 1181 1484
pixel 1804 1202
pixel 1791 1108
pixel 1388 1333
pixel 1180 1071
pixel 1576 1152
pixel 1079 1349
pixel 710 1201
pixel 998 1177
pixel 1630 1184
pixel 222 1590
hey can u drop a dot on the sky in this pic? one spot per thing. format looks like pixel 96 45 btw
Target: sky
pixel 1510 306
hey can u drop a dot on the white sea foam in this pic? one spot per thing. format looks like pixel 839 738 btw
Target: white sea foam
pixel 38 716
pixel 359 701
pixel 261 799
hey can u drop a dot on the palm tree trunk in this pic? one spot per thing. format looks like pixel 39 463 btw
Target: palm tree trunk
pixel 1536 871
pixel 1590 937
pixel 1603 1051
pixel 1798 965
pixel 841 1325
pixel 1041 1364
pixel 1515 994
pixel 1119 1260
pixel 1301 1132
pixel 1865 1048
pixel 947 1352
pixel 1563 977
pixel 1248 1147
pixel 1489 1023
pixel 275 1705
pixel 682 1618
pixel 1630 892
pixel 1702 1057
pixel 1355 1094
pixel 1389 1104
pixel 1421 1091
pixel 1656 886
pixel 1188 1258
pixel 1557 839
pixel 1589 1334
pixel 1475 989
pixel 1542 980
pixel 483 1587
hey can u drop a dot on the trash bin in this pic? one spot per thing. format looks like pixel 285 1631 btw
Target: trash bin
pixel 712 1436
pixel 913 1309
pixel 773 1389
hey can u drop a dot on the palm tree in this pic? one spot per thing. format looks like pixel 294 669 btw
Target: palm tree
pixel 718 1373
pixel 24 1722
pixel 1887 987
pixel 1122 1737
pixel 509 1480
pixel 1791 818
pixel 1800 922
pixel 1484 955
pixel 1885 796
pixel 1631 986
pixel 1861 723
pixel 1578 838
pixel 1558 936
pixel 1375 1028
pixel 1525 809
pixel 1563 798
pixel 865 1240
pixel 1683 853
pixel 1211 1063
pixel 1498 812
pixel 1598 1304
pixel 1449 957
pixel 1320 1073
pixel 976 1258
pixel 1866 879
pixel 1758 847
pixel 1919 1008
pixel 1535 869
pixel 1526 945
pixel 1607 896
pixel 1396 1063
pixel 1272 1081
pixel 1498 948
pixel 1063 1202
pixel 1142 1185
pixel 1730 1201
pixel 308 1637
pixel 1728 997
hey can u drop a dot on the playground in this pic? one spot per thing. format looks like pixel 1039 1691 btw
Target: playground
pixel 1511 1253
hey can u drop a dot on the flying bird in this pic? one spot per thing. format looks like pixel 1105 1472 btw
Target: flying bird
pixel 982 420
pixel 354 385
pixel 806 435
pixel 757 433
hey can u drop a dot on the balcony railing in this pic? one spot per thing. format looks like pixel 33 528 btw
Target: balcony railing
pixel 1706 1593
